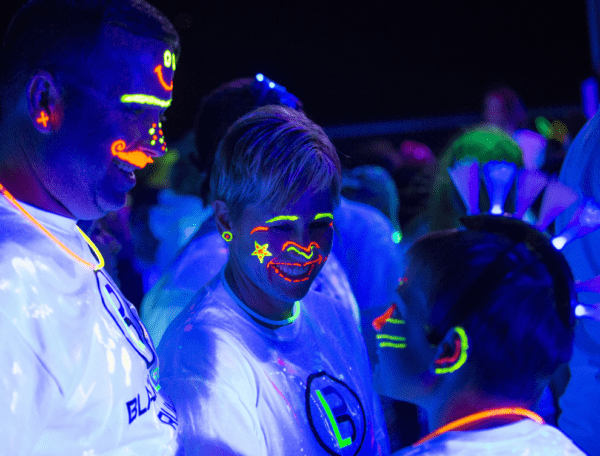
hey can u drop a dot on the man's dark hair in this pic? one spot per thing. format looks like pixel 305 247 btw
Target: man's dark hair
pixel 513 298
pixel 57 34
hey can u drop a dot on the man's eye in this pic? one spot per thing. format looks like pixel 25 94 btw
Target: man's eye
pixel 134 110
pixel 281 228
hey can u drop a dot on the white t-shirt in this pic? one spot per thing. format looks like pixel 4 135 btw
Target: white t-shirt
pixel 245 389
pixel 523 438
pixel 199 261
pixel 76 364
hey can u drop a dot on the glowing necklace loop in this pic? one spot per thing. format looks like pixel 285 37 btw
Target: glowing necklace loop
pixel 86 264
pixel 469 420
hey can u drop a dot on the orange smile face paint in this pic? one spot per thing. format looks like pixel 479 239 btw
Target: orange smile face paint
pixel 134 157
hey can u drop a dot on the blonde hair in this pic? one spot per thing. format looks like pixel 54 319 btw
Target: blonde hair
pixel 273 154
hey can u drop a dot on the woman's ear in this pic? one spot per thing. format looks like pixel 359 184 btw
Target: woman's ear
pixel 222 216
pixel 44 103
pixel 451 354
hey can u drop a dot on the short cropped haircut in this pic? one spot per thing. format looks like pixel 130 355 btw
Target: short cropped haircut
pixel 58 34
pixel 217 112
pixel 273 154
pixel 514 303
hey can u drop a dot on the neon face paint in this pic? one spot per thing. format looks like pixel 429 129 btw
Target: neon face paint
pixel 43 119
pixel 261 251
pixel 151 100
pixel 324 215
pixel 458 358
pixel 134 157
pixel 306 252
pixel 389 340
pixel 259 228
pixel 279 218
pixel 295 271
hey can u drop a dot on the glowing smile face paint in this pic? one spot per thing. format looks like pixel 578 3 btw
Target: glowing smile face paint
pixel 159 99
pixel 281 253
pixel 297 271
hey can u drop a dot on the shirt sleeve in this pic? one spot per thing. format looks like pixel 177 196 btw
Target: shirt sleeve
pixel 27 392
pixel 215 396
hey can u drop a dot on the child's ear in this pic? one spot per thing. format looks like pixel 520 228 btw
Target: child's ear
pixel 451 353
pixel 222 216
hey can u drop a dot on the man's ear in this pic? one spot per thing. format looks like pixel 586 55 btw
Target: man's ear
pixel 44 103
pixel 452 351
pixel 222 216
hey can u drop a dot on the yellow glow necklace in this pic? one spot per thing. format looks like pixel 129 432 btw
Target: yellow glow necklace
pixel 86 264
pixel 470 420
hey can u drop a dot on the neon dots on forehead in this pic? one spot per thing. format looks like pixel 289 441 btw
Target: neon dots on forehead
pixel 134 157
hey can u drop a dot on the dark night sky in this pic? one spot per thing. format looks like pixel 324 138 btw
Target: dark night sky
pixel 380 60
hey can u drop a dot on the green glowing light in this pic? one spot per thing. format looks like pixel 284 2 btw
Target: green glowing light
pixel 336 430
pixel 543 126
pixel 464 346
pixel 161 140
pixel 300 252
pixel 390 337
pixel 283 217
pixel 167 58
pixel 324 215
pixel 153 143
pixel 397 236
pixel 392 345
pixel 152 131
pixel 395 321
pixel 146 99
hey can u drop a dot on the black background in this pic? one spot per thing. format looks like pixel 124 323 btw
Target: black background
pixel 366 61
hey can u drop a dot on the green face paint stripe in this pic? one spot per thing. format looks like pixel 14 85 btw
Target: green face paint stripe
pixel 145 99
pixel 387 336
pixel 395 321
pixel 283 217
pixel 392 345
pixel 300 252
pixel 342 442
pixel 324 215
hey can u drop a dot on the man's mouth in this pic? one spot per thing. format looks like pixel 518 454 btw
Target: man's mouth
pixel 295 271
pixel 136 158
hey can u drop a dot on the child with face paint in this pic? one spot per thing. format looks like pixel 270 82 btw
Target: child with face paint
pixel 484 319
pixel 260 365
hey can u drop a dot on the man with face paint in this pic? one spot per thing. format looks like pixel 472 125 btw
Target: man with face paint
pixel 85 85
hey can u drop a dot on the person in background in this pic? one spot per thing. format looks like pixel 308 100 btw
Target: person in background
pixel 485 318
pixel 83 85
pixel 258 363
pixel 578 404
pixel 482 144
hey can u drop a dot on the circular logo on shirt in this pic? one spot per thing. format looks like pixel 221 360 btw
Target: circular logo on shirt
pixel 335 414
